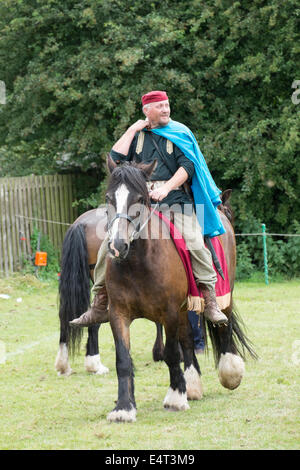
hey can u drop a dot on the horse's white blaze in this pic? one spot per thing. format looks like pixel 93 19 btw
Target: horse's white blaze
pixel 122 415
pixel 62 361
pixel 176 400
pixel 93 364
pixel 231 370
pixel 193 383
pixel 121 196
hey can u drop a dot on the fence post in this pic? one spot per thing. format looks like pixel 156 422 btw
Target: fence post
pixel 36 269
pixel 264 237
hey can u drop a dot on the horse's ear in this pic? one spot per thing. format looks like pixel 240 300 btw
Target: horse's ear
pixel 147 168
pixel 111 165
pixel 225 196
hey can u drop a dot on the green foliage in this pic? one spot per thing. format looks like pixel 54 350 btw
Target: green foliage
pixel 94 199
pixel 75 71
pixel 88 188
pixel 245 267
pixel 283 254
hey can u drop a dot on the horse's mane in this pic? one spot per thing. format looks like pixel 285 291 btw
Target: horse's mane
pixel 225 206
pixel 133 177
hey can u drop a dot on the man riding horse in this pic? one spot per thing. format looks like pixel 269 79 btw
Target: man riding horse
pixel 179 160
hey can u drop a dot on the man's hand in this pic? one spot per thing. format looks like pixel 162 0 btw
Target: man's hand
pixel 139 125
pixel 176 181
pixel 123 144
pixel 159 194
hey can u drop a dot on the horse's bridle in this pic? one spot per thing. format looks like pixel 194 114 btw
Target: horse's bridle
pixel 137 227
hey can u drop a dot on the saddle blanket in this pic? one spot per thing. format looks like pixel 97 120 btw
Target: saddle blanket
pixel 222 287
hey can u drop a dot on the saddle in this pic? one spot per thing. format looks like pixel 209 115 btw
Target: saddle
pixel 222 287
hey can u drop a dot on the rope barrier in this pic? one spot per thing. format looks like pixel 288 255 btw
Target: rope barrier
pixel 269 234
pixel 237 234
pixel 43 220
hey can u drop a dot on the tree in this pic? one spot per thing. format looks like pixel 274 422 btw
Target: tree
pixel 75 71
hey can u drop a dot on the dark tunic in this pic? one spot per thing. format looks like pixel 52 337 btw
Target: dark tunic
pixel 176 159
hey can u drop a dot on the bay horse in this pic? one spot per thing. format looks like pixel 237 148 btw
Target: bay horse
pixel 79 255
pixel 128 284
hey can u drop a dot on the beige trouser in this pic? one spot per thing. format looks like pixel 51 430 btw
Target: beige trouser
pixel 201 258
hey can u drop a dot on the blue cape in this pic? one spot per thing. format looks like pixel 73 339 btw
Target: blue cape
pixel 205 192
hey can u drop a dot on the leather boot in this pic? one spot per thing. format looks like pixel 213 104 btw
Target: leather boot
pixel 97 313
pixel 211 309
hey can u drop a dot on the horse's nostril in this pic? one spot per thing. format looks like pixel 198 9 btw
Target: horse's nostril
pixel 124 250
pixel 117 249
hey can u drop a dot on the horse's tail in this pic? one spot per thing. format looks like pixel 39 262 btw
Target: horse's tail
pixel 233 339
pixel 74 286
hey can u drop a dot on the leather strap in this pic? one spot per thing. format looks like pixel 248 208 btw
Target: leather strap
pixel 161 155
pixel 186 187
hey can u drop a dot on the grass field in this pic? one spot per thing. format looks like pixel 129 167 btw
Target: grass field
pixel 39 410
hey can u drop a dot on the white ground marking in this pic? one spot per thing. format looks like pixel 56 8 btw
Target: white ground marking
pixel 28 346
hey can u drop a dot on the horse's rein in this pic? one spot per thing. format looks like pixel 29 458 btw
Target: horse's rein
pixel 135 232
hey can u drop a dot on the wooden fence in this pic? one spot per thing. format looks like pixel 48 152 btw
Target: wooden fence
pixel 42 202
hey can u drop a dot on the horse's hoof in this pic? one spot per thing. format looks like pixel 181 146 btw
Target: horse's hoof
pixel 176 401
pixel 184 407
pixel 62 365
pixel 93 364
pixel 231 370
pixel 66 373
pixel 122 416
pixel 193 384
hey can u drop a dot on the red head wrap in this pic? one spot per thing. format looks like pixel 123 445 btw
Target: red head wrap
pixel 154 96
